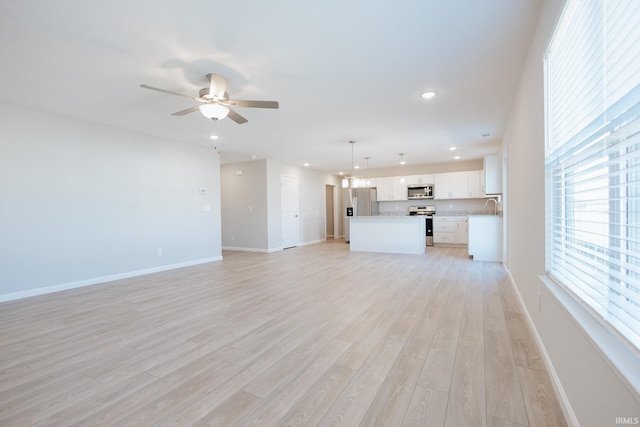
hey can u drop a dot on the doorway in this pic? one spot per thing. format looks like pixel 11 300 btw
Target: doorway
pixel 289 203
pixel 330 210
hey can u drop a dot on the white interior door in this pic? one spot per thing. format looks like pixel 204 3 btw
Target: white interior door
pixel 290 225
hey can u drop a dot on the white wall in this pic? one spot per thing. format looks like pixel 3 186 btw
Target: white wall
pixel 244 205
pixel 594 391
pixel 259 229
pixel 83 203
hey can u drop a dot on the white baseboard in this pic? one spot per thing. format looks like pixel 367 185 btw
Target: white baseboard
pixel 313 242
pixel 269 250
pixel 243 249
pixel 102 279
pixel 567 410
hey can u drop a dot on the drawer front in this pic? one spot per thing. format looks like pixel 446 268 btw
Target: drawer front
pixel 444 238
pixel 445 227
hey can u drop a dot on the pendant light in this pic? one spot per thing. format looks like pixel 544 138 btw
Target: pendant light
pixel 352 180
pixel 367 181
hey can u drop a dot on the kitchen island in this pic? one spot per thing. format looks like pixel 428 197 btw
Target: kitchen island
pixel 390 234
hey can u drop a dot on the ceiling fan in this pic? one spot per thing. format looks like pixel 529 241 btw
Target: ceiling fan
pixel 214 101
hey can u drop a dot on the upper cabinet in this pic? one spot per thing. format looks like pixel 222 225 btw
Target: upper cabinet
pixel 452 185
pixel 442 186
pixel 457 185
pixel 391 188
pixel 474 184
pixel 418 179
pixel 492 168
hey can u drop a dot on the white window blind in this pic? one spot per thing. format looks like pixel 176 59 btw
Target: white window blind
pixel 592 83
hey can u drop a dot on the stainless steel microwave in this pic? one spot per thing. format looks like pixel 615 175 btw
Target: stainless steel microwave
pixel 419 191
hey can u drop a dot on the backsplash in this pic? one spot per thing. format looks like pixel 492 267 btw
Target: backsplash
pixel 443 207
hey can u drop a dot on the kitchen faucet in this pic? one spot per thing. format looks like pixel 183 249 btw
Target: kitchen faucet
pixel 495 205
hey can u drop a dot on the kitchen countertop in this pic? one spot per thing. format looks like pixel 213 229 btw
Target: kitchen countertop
pixel 488 212
pixel 467 213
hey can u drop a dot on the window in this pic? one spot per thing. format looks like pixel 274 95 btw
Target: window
pixel 592 101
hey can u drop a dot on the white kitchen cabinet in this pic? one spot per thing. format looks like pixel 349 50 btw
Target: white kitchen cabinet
pixel 474 184
pixel 485 237
pixel 442 186
pixel 411 179
pixel 418 179
pixel 492 168
pixel 399 188
pixel 459 185
pixel 444 229
pixel 385 188
pixel 453 185
pixel 450 230
pixel 391 188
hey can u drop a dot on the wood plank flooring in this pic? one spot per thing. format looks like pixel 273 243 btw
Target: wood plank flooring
pixel 314 335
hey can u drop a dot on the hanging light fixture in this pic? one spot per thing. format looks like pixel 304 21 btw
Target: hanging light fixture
pixel 214 111
pixel 367 181
pixel 352 178
pixel 402 162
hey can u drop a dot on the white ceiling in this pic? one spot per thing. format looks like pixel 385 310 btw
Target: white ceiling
pixel 341 70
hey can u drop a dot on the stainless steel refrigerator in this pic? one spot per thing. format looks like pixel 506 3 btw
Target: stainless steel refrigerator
pixel 359 202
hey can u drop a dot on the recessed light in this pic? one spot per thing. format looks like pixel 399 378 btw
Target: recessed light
pixel 356 167
pixel 306 164
pixel 340 173
pixel 457 157
pixel 453 148
pixel 253 156
pixel 428 95
pixel 214 137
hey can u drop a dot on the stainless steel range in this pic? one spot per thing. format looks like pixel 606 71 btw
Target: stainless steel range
pixel 428 212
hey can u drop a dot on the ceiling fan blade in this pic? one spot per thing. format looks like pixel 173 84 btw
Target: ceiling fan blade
pixel 236 117
pixel 217 85
pixel 167 91
pixel 187 111
pixel 254 104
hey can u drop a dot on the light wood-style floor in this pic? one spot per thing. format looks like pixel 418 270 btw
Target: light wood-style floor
pixel 314 335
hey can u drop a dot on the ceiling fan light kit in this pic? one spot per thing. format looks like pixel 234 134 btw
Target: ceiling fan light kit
pixel 214 111
pixel 215 102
